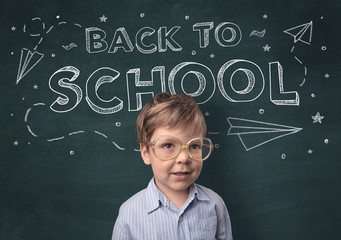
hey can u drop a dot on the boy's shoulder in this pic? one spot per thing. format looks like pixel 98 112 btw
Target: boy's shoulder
pixel 142 200
pixel 135 201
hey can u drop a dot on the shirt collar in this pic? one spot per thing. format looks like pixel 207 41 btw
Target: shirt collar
pixel 154 197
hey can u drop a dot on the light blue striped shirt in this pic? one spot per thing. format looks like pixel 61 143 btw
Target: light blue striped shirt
pixel 150 215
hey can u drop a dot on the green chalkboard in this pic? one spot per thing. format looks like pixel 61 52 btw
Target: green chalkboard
pixel 75 74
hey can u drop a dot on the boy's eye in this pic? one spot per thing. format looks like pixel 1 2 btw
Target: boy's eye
pixel 167 145
pixel 195 147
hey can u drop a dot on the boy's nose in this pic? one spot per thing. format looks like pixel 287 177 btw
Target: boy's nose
pixel 183 157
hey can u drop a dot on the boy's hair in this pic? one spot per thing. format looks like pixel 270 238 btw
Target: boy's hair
pixel 166 110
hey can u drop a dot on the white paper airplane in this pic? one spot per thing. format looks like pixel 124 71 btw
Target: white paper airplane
pixel 302 33
pixel 253 134
pixel 28 60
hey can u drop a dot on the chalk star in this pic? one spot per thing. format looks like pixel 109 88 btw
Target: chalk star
pixel 16 143
pixel 310 151
pixel 35 86
pixel 103 18
pixel 212 55
pixel 266 48
pixel 265 16
pixel 13 28
pixel 207 114
pixel 326 75
pixel 317 118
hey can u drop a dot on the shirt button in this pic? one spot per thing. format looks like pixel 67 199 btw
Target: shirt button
pixel 181 218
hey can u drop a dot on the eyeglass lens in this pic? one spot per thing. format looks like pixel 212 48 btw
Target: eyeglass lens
pixel 168 147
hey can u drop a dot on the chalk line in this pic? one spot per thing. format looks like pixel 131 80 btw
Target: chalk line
pixel 55 139
pixel 74 133
pixel 30 131
pixel 120 148
pixel 102 134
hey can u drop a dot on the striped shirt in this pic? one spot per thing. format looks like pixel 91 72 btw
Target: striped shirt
pixel 150 215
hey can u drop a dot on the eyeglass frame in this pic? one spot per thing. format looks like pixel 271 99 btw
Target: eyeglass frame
pixel 211 147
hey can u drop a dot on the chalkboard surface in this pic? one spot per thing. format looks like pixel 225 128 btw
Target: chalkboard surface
pixel 75 74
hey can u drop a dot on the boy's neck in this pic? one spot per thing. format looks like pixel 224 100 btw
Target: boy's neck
pixel 178 198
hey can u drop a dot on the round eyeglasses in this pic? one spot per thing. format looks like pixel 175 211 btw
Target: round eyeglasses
pixel 168 147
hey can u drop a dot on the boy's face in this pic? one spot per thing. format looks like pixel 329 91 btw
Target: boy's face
pixel 176 175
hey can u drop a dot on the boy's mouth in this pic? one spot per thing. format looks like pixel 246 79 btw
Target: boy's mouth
pixel 181 173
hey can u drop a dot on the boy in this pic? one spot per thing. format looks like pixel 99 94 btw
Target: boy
pixel 171 132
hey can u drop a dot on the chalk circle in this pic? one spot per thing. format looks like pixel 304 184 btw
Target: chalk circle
pixel 53 55
pixel 326 141
pixel 186 17
pixel 118 124
pixel 283 156
pixel 261 111
pixel 216 145
pixel 313 95
pixel 142 15
pixel 323 48
pixel 72 152
pixel 194 52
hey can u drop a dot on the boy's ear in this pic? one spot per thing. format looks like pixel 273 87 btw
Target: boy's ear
pixel 145 154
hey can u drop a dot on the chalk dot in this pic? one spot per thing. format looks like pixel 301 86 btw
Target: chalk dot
pixel 326 141
pixel 283 156
pixel 313 95
pixel 142 15
pixel 216 145
pixel 118 124
pixel 261 111
pixel 72 152
pixel 323 48
pixel 12 114
pixel 57 16
pixel 12 53
pixel 322 17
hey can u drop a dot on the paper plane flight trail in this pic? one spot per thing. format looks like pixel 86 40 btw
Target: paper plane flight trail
pixel 253 134
pixel 302 33
pixel 28 60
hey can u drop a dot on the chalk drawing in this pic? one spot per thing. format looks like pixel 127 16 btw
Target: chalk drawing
pixel 266 132
pixel 116 145
pixel 258 33
pixel 74 133
pixel 103 18
pixel 317 118
pixel 266 48
pixel 70 46
pixel 302 33
pixel 28 60
pixel 102 134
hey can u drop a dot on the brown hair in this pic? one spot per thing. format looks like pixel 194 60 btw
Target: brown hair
pixel 166 110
